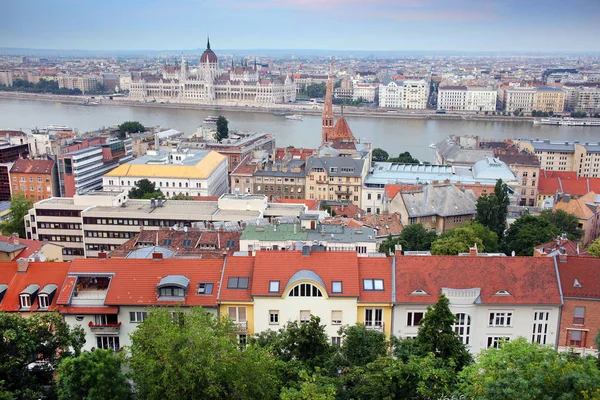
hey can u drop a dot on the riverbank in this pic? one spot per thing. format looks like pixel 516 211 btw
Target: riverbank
pixel 292 108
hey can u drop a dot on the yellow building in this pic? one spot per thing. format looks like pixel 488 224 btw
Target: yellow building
pixel 549 99
pixel 582 158
pixel 336 178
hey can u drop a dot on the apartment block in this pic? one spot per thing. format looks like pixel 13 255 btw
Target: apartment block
pixel 84 83
pixel 580 157
pixel 588 100
pixel 549 99
pixel 518 98
pixel 9 153
pixel 36 179
pixel 467 98
pixel 335 178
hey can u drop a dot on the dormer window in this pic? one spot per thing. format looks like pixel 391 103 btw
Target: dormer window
pixel 273 286
pixel 576 283
pixel 502 293
pixel 167 242
pixel 373 284
pixel 205 288
pixel 46 295
pixel 3 289
pixel 43 301
pixel 419 292
pixel 172 287
pixel 187 243
pixel 27 296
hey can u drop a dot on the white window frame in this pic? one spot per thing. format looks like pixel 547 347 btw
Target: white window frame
pixel 336 340
pixel 304 316
pixel 410 317
pixel 371 316
pixel 238 316
pixel 336 317
pixel 500 318
pixel 137 316
pixel 43 301
pixel 540 326
pixel 273 313
pixel 494 341
pixel 462 327
pixel 108 342
pixel 25 300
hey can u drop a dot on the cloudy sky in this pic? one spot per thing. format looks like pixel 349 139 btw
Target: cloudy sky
pixel 464 25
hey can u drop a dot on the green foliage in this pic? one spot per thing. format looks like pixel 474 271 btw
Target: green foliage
pixel 197 356
pixel 144 189
pixel 436 335
pixel 461 239
pixel 535 113
pixel 594 248
pixel 93 375
pixel 565 222
pixel 130 127
pixel 522 370
pixel 19 207
pixel 222 128
pixel 578 114
pixel 526 233
pixel 329 210
pixel 43 86
pixel 44 339
pixel 316 90
pixel 361 346
pixel 492 209
pixel 313 387
pixel 180 196
pixel 412 238
pixel 404 158
pixel 380 155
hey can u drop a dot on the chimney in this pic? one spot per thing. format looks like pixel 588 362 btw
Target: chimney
pixel 15 238
pixel 398 250
pixel 473 250
pixel 22 264
pixel 152 203
pixel 102 255
pixel 562 255
pixel 157 255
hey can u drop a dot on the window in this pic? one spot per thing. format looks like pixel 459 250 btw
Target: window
pixel 274 286
pixel 373 284
pixel 167 242
pixel 243 340
pixel 205 288
pixel 137 316
pixel 305 290
pixel 578 316
pixel 374 317
pixel 413 318
pixel 462 327
pixel 540 326
pixel 336 317
pixel 43 301
pixel 171 291
pixel 237 314
pixel 575 339
pixel 336 287
pixel 336 341
pixel 108 342
pixel 502 318
pixel 274 317
pixel 237 283
pixel 25 300
pixel 187 243
pixel 305 316
pixel 494 341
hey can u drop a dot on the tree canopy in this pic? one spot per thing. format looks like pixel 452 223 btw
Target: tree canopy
pixel 526 233
pixel 361 346
pixel 404 158
pixel 461 239
pixel 594 248
pixel 316 90
pixel 565 222
pixel 222 128
pixel 492 209
pixel 380 155
pixel 412 238
pixel 93 375
pixel 130 127
pixel 31 349
pixel 19 207
pixel 144 189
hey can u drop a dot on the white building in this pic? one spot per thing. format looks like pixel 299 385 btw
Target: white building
pixel 463 98
pixel 390 94
pixel 367 92
pixel 518 98
pixel 84 83
pixel 494 298
pixel 6 78
pixel 415 94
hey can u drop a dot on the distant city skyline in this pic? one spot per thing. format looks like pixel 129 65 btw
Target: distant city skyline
pixel 345 25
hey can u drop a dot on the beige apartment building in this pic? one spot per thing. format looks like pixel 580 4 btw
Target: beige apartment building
pixel 335 178
pixel 549 99
pixel 583 158
pixel 84 83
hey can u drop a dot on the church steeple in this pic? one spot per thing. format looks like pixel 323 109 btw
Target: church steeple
pixel 327 125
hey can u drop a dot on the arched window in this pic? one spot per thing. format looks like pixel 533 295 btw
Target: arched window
pixel 462 327
pixel 305 290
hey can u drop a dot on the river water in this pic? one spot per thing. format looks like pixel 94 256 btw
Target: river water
pixel 395 135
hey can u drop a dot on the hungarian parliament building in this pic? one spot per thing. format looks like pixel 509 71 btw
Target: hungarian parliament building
pixel 208 84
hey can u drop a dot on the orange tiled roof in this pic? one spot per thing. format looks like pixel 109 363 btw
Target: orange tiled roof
pixel 310 204
pixel 238 267
pixel 587 273
pixel 529 280
pixel 375 268
pixel 577 206
pixel 341 131
pixel 551 182
pixel 32 246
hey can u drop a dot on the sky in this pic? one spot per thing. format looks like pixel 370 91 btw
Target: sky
pixel 377 25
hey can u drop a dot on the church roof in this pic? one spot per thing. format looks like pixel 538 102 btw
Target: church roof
pixel 341 130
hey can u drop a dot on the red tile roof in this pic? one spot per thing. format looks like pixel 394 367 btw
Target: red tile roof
pixel 88 310
pixel 135 281
pixel 38 273
pixel 392 190
pixel 572 249
pixel 310 204
pixel 566 182
pixel 241 267
pixel 32 246
pixel 32 167
pixel 587 273
pixel 329 266
pixel 375 268
pixel 529 280
pixel 7 272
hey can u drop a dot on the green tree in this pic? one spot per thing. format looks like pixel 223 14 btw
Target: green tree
pixel 316 90
pixel 93 375
pixel 181 196
pixel 42 341
pixel 19 207
pixel 404 158
pixel 144 189
pixel 565 222
pixel 222 128
pixel 380 155
pixel 412 238
pixel 130 127
pixel 361 346
pixel 436 335
pixel 594 248
pixel 522 370
pixel 458 240
pixel 492 209
pixel 312 387
pixel 526 233
pixel 196 355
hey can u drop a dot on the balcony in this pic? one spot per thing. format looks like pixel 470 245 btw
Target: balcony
pixel 377 326
pixel 343 191
pixel 241 326
pixel 104 328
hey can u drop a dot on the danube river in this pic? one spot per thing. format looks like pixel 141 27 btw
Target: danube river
pixel 395 135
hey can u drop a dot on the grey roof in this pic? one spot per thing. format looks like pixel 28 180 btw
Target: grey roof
pixel 163 157
pixel 337 162
pixel 31 289
pixel 451 151
pixel 446 200
pixel 146 252
pixel 174 280
pixel 492 168
pixel 547 145
pixel 548 89
pixel 341 234
pixel 8 247
pixel 49 288
pixel 3 288
pixel 304 275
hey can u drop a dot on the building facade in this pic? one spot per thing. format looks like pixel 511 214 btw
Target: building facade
pixel 36 179
pixel 415 94
pixel 85 83
pixel 463 98
pixel 549 99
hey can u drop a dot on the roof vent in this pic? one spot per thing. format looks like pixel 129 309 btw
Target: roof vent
pixel 157 255
pixel 102 255
pixel 576 283
pixel 502 293
pixel 419 292
pixel 306 251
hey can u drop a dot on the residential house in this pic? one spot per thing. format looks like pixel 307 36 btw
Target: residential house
pixel 587 209
pixel 36 179
pixel 13 247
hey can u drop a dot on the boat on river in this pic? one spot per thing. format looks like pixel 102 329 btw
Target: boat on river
pixel 567 121
pixel 294 117
pixel 211 119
